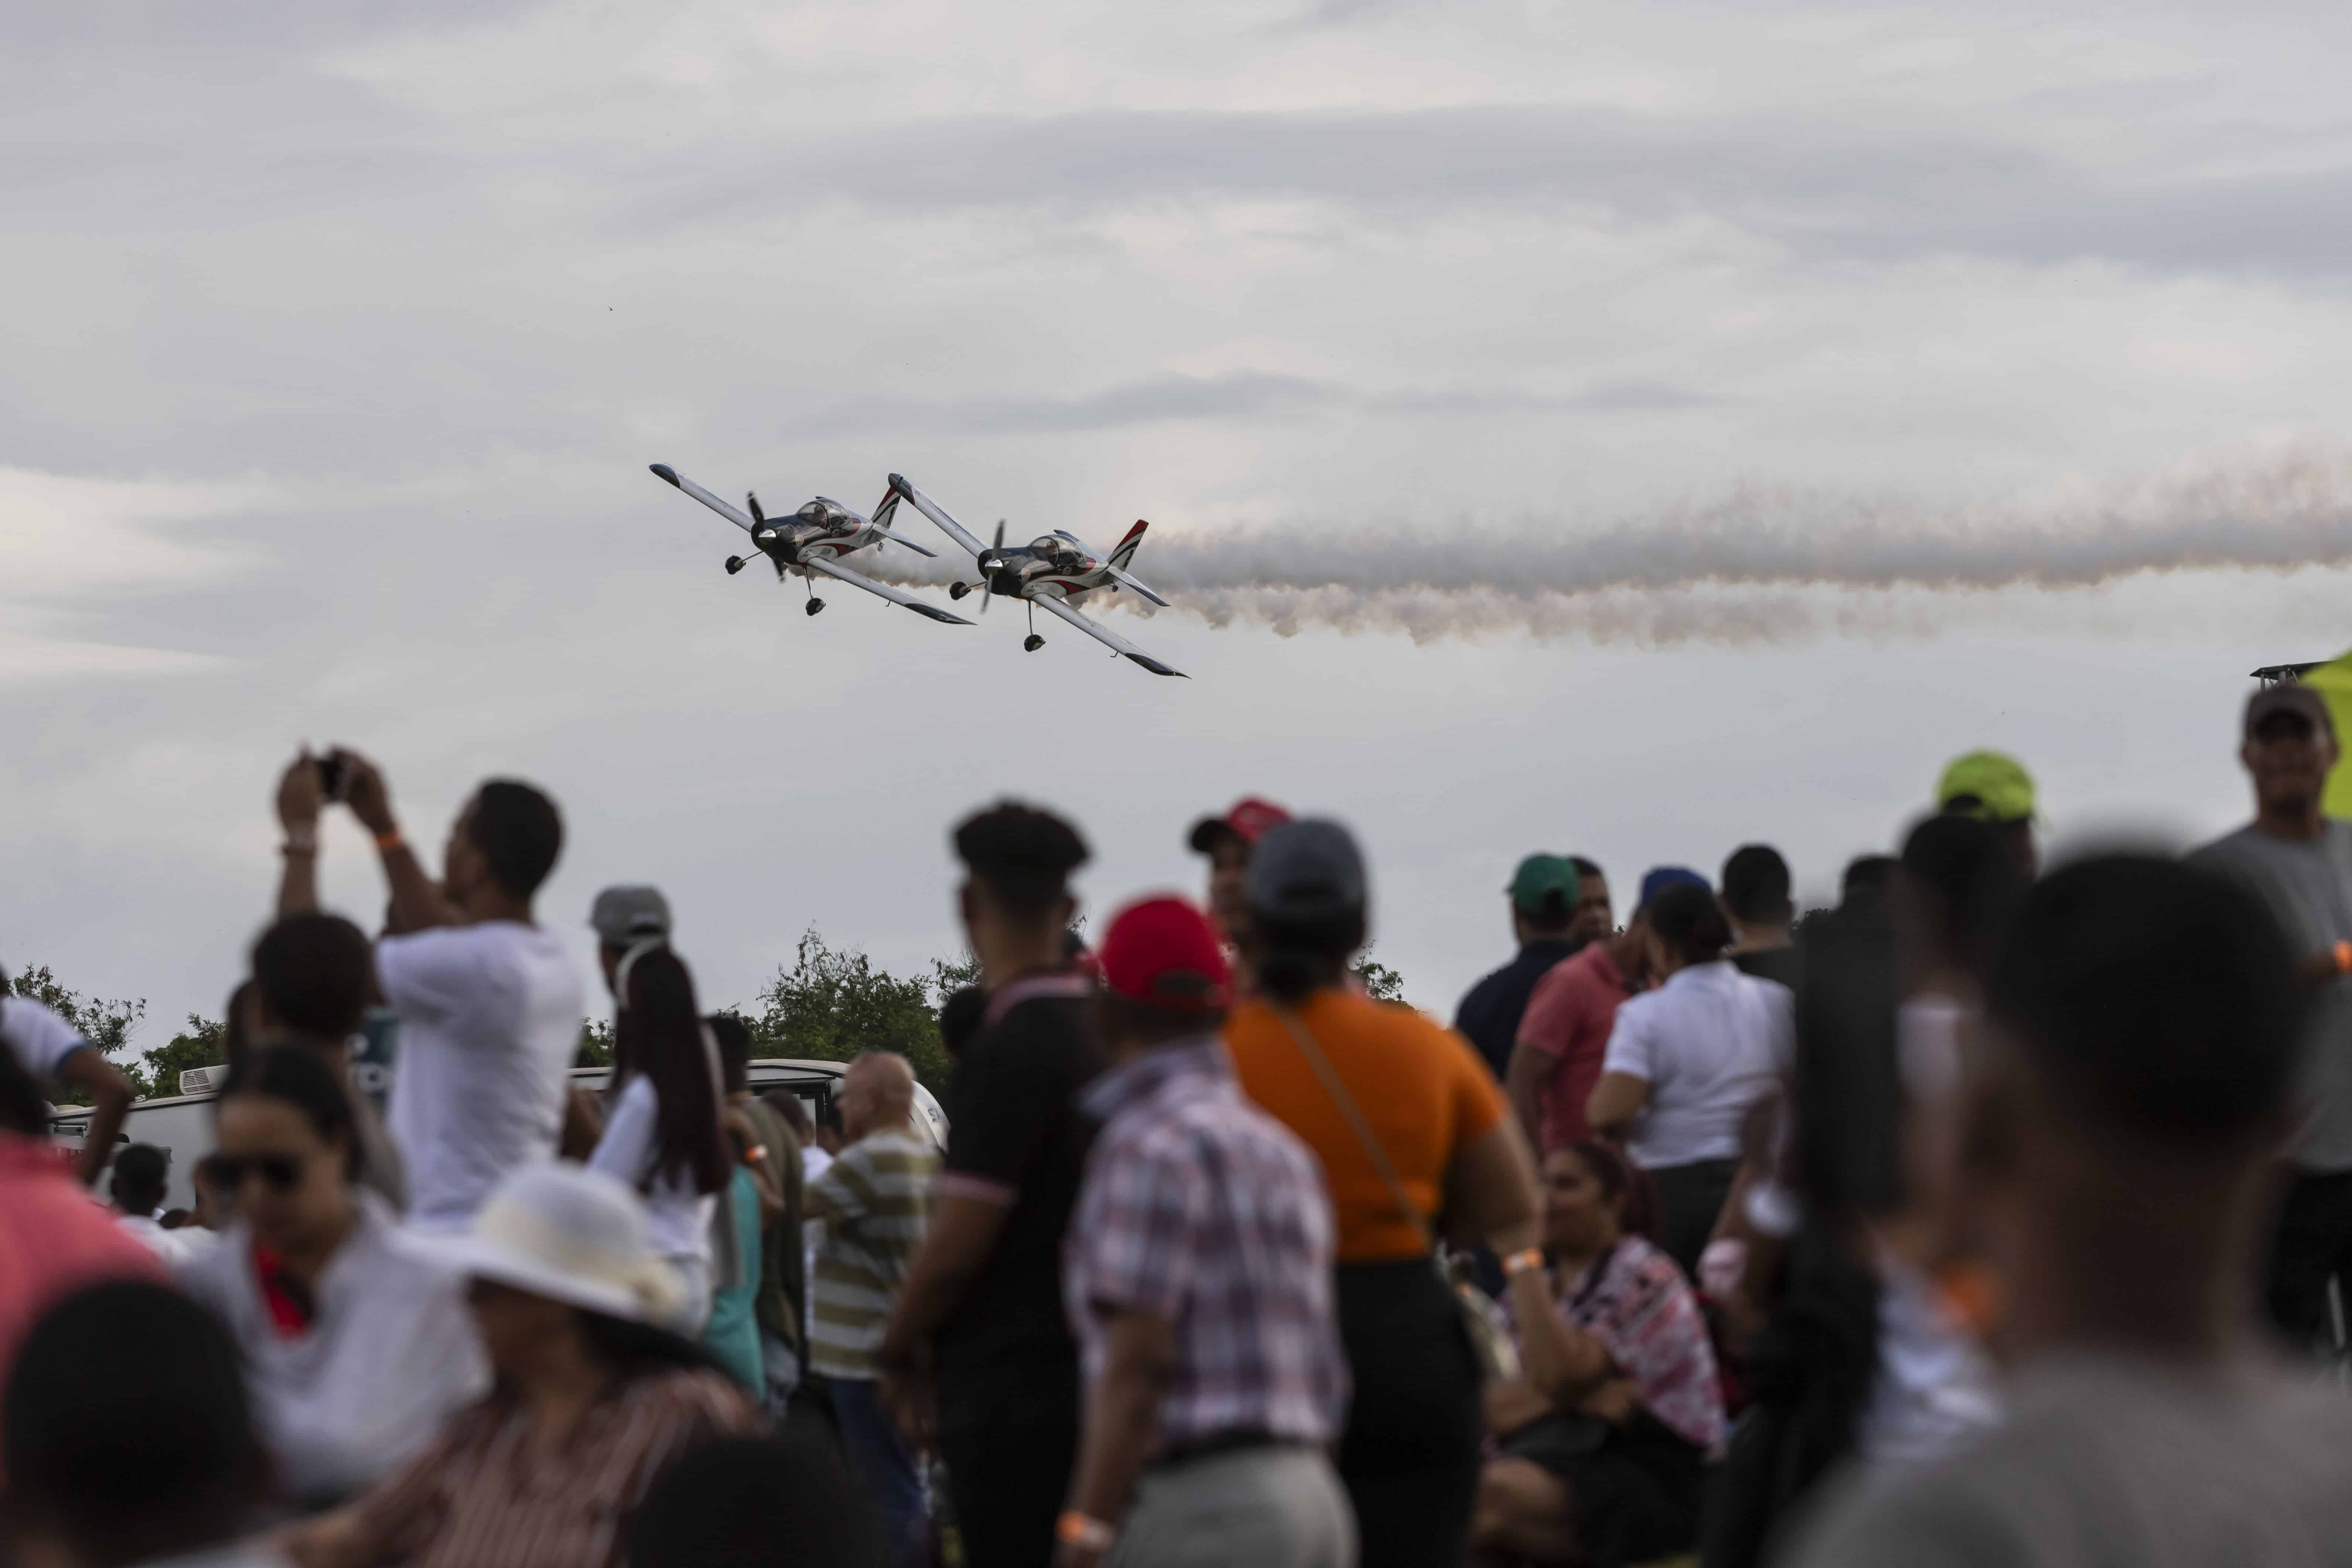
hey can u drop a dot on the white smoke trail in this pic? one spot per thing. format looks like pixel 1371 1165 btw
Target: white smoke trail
pixel 1738 570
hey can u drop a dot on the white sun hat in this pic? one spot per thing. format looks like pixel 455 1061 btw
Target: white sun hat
pixel 573 1234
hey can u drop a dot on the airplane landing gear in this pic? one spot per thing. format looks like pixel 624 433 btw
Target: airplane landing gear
pixel 957 590
pixel 815 606
pixel 734 564
pixel 1032 642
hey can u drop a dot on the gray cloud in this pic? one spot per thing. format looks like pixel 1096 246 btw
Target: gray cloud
pixel 1824 188
pixel 1240 395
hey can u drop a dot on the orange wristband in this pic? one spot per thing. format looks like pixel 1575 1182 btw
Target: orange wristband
pixel 386 843
pixel 1076 1529
pixel 2344 958
pixel 1518 1263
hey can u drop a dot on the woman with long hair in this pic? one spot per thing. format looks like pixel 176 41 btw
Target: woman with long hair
pixel 354 1333
pixel 592 1396
pixel 1415 1143
pixel 662 1135
pixel 1604 1441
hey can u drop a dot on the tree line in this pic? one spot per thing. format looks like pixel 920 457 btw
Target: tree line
pixel 830 1004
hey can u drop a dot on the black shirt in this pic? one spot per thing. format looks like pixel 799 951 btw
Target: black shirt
pixel 1491 1010
pixel 1781 963
pixel 1014 1130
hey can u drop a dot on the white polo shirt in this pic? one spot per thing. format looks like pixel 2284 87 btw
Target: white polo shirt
pixel 1710 1042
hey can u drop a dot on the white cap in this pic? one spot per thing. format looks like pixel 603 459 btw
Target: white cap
pixel 573 1234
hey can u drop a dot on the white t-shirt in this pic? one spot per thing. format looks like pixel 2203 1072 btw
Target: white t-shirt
pixel 391 1353
pixel 173 1247
pixel 40 1039
pixel 1710 1042
pixel 490 1021
pixel 678 1218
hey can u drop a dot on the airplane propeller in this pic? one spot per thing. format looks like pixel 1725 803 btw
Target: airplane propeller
pixel 988 563
pixel 762 534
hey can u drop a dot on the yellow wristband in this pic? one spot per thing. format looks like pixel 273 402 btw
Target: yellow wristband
pixel 386 843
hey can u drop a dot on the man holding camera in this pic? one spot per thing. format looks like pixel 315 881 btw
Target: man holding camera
pixel 489 1001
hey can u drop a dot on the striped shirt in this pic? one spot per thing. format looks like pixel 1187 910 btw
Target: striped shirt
pixel 873 1201
pixel 493 1491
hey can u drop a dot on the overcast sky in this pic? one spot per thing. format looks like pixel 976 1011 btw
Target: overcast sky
pixel 340 335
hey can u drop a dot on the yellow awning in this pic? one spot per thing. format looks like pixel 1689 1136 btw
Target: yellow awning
pixel 2333 682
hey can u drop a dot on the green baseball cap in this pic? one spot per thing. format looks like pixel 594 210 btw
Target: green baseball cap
pixel 1990 786
pixel 1537 877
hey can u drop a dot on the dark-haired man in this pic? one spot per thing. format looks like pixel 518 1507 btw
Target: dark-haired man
pixel 489 1002
pixel 1201 1283
pixel 128 1437
pixel 312 978
pixel 1543 911
pixel 979 1315
pixel 2122 1112
pixel 1757 896
pixel 141 1175
pixel 1596 913
pixel 2299 862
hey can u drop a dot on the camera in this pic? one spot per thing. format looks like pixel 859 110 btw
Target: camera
pixel 334 773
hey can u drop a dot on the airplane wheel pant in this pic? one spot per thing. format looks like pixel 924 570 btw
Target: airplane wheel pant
pixel 1411 1452
pixel 1009 1437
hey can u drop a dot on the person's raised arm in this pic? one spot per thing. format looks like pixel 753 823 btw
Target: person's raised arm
pixel 110 1094
pixel 1120 1427
pixel 416 902
pixel 299 804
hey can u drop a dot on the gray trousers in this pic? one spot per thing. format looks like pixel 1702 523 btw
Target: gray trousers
pixel 1267 1508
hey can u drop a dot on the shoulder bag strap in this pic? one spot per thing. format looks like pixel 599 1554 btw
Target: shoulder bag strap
pixel 1362 1128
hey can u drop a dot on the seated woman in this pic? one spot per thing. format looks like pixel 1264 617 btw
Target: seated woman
pixel 1605 1442
pixel 356 1341
pixel 591 1399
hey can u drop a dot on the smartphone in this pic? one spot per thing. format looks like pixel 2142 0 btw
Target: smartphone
pixel 333 774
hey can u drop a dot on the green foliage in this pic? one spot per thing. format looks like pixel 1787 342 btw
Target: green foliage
pixel 595 1048
pixel 105 1023
pixel 202 1043
pixel 832 1005
pixel 1380 983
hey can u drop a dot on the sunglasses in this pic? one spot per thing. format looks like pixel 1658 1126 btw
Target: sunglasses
pixel 279 1173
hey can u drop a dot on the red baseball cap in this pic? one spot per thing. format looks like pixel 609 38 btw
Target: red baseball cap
pixel 1250 818
pixel 1162 953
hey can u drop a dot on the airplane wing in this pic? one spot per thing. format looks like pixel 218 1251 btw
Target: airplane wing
pixel 938 514
pixel 1110 640
pixel 897 597
pixel 1140 587
pixel 668 475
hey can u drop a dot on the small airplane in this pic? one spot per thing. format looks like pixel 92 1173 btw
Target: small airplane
pixel 813 539
pixel 1054 572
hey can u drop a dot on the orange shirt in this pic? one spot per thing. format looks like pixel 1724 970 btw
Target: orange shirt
pixel 1419 1084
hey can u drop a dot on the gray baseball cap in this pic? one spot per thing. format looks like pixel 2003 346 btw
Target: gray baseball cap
pixel 1306 869
pixel 626 915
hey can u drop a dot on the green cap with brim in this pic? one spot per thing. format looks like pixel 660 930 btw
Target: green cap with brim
pixel 1990 786
pixel 1538 877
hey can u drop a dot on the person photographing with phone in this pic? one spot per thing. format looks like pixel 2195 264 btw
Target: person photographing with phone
pixel 489 1001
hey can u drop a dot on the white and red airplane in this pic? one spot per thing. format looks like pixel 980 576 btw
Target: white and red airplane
pixel 1053 571
pixel 812 540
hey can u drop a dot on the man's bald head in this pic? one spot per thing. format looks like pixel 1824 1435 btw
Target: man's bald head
pixel 877 1094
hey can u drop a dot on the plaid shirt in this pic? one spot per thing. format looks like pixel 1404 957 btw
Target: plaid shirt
pixel 1203 1210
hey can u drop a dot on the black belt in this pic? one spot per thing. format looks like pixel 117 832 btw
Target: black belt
pixel 1218 1443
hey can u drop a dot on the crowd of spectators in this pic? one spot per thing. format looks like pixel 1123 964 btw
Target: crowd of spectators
pixel 1990 1217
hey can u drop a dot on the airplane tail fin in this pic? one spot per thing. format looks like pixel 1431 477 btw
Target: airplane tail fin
pixel 1124 551
pixel 887 510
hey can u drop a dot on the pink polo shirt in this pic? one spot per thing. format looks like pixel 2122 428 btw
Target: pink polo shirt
pixel 1569 1015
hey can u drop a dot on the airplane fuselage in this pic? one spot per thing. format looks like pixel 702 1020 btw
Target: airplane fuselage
pixel 823 530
